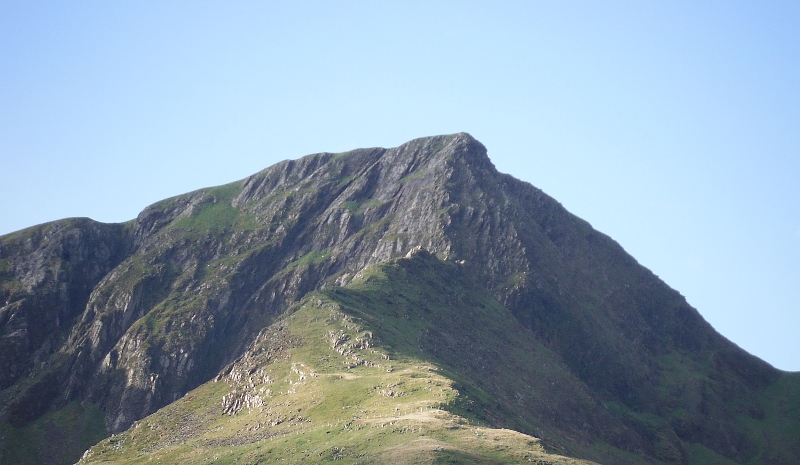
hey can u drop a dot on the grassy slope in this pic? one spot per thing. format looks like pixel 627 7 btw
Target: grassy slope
pixel 60 435
pixel 349 377
pixel 405 365
pixel 408 364
pixel 780 427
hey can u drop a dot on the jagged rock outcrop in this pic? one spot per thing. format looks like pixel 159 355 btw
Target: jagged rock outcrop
pixel 47 273
pixel 131 317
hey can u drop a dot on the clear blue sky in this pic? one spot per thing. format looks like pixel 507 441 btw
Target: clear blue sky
pixel 673 127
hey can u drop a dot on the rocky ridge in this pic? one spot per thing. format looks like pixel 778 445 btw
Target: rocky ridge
pixel 131 317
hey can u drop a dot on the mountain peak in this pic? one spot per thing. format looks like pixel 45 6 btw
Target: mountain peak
pixel 128 318
pixel 459 146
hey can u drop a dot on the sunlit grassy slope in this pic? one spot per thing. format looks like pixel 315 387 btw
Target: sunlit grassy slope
pixel 356 374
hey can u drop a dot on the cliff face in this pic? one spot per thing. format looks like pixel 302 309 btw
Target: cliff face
pixel 131 317
pixel 47 273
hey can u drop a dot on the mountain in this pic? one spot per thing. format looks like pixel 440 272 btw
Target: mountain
pixel 406 305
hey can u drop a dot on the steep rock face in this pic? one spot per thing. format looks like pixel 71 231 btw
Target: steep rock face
pixel 210 268
pixel 161 305
pixel 46 276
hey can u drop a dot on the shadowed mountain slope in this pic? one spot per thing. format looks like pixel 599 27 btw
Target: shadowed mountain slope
pixel 536 321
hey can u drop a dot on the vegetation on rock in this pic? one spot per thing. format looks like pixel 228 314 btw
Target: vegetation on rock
pixel 381 305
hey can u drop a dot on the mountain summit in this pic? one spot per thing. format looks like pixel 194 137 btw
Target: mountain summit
pixel 404 305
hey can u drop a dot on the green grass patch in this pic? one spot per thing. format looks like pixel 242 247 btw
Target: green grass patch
pixel 417 175
pixel 314 257
pixel 215 214
pixel 702 455
pixel 5 266
pixel 356 208
pixel 209 217
pixel 61 435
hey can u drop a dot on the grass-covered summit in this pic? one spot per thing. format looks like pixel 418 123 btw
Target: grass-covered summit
pixel 414 283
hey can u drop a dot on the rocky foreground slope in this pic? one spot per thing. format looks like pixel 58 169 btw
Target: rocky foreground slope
pixel 344 306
